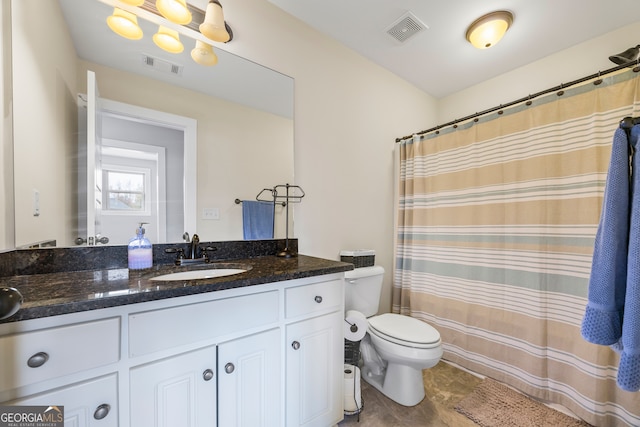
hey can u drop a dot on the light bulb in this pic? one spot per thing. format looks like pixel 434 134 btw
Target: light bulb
pixel 175 11
pixel 124 24
pixel 133 2
pixel 213 26
pixel 168 39
pixel 203 54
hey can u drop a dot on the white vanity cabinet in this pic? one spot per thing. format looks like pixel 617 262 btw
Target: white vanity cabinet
pixel 264 355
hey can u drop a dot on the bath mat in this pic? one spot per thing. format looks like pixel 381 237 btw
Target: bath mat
pixel 492 404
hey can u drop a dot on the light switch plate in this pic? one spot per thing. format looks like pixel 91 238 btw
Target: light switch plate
pixel 211 213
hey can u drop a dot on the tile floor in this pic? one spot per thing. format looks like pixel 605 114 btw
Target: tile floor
pixel 445 386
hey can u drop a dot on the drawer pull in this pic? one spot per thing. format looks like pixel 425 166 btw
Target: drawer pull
pixel 101 411
pixel 229 368
pixel 295 345
pixel 207 375
pixel 318 299
pixel 38 359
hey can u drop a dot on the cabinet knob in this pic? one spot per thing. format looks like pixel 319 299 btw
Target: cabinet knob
pixel 101 411
pixel 229 368
pixel 295 345
pixel 38 359
pixel 318 299
pixel 207 375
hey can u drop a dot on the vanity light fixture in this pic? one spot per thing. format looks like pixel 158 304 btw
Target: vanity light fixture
pixel 168 40
pixel 203 54
pixel 175 11
pixel 487 30
pixel 124 24
pixel 214 27
pixel 211 24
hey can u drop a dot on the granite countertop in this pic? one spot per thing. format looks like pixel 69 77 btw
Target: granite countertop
pixel 69 292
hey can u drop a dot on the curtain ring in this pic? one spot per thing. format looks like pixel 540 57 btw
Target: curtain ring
pixel 561 92
pixel 637 67
pixel 529 101
pixel 598 80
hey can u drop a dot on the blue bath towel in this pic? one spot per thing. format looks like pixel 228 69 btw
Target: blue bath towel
pixel 257 220
pixel 612 315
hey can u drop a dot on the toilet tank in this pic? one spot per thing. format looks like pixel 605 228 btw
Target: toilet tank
pixel 362 289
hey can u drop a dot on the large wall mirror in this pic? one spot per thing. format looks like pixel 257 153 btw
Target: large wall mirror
pixel 242 113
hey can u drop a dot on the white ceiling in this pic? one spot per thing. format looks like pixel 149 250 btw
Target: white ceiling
pixel 439 60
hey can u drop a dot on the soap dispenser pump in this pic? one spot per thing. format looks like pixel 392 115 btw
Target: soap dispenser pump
pixel 140 251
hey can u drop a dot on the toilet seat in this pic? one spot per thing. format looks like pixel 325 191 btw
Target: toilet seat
pixel 404 330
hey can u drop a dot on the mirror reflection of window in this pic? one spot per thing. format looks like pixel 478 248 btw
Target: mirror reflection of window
pixel 126 190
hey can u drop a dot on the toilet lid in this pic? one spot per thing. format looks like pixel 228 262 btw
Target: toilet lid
pixel 404 330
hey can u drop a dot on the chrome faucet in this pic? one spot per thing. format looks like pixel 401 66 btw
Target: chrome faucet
pixel 196 254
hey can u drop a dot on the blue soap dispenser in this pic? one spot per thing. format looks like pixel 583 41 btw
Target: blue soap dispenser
pixel 140 251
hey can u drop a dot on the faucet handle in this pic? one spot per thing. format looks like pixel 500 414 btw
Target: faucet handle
pixel 205 251
pixel 179 251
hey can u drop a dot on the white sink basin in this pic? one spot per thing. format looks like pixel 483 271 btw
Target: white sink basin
pixel 199 274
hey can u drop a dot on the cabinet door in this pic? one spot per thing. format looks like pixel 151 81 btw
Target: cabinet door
pixel 249 381
pixel 314 364
pixel 89 404
pixel 177 391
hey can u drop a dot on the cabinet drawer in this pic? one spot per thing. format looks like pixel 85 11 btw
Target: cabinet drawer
pixel 312 298
pixel 93 403
pixel 167 328
pixel 40 355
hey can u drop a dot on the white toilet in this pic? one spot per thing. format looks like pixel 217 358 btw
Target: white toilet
pixel 396 348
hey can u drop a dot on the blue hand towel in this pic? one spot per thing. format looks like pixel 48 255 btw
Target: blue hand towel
pixel 629 369
pixel 602 322
pixel 612 316
pixel 257 220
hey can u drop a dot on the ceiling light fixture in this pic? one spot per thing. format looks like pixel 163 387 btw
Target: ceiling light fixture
pixel 124 24
pixel 214 27
pixel 487 30
pixel 203 54
pixel 175 11
pixel 168 39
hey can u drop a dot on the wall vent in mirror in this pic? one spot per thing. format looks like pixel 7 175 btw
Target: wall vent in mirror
pixel 162 65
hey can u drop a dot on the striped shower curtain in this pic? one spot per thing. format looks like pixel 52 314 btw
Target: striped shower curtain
pixel 495 233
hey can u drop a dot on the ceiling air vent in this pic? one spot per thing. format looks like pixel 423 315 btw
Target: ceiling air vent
pixel 162 65
pixel 407 26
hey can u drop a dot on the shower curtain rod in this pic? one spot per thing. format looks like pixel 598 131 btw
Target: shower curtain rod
pixel 529 98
